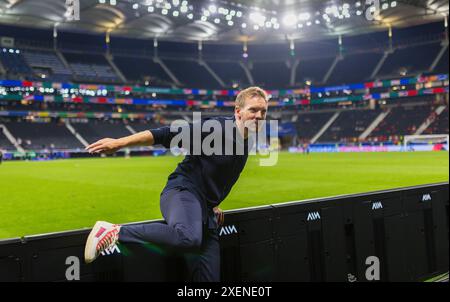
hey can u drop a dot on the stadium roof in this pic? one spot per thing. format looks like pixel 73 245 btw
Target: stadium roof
pixel 258 21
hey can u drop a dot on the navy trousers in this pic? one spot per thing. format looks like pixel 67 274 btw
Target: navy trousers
pixel 184 231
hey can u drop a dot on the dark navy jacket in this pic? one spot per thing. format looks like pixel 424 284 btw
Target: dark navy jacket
pixel 208 177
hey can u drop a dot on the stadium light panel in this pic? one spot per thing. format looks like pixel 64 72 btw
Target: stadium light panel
pixel 289 20
pixel 304 16
pixel 257 18
pixel 212 9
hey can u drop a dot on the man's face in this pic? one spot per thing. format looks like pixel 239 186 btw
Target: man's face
pixel 254 110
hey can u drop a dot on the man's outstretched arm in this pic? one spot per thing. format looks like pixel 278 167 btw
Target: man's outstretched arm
pixel 111 145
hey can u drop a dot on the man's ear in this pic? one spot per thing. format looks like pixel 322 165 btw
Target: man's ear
pixel 237 110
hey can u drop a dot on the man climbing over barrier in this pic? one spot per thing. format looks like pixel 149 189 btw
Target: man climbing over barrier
pixel 189 202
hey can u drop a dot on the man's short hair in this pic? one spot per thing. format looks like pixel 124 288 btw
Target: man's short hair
pixel 249 93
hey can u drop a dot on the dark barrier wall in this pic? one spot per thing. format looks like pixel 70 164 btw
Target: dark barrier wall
pixel 317 240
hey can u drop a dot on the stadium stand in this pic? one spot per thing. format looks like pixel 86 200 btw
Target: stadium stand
pixel 440 124
pixel 313 70
pixel 89 72
pixel 87 63
pixel 310 123
pixel 356 65
pixel 354 68
pixel 43 135
pixel 94 68
pixel 410 60
pixel 15 64
pixel 349 126
pixel 402 120
pixel 183 71
pixel 272 75
pixel 48 60
pixel 231 73
pixel 143 125
pixel 98 129
pixel 139 70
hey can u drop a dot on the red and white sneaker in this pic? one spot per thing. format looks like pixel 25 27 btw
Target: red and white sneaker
pixel 103 236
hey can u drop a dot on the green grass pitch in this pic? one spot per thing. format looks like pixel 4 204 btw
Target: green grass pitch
pixel 42 197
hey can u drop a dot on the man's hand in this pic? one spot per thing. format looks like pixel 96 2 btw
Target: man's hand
pixel 111 145
pixel 105 146
pixel 220 216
